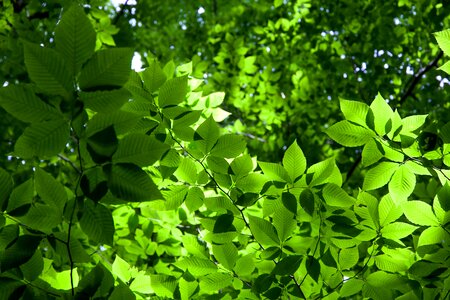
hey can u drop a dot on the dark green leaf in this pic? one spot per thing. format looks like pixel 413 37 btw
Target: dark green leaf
pixel 6 187
pixel 307 201
pixel 75 38
pixel 131 183
pixel 173 91
pixel 97 222
pixel 48 69
pixel 19 252
pixel 109 68
pixel 43 139
pixel 288 265
pixel 290 202
pixel 23 104
pixel 105 101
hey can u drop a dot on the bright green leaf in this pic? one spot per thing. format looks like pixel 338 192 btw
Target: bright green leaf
pixel 349 134
pixel 420 213
pixel 294 161
pixel 354 111
pixel 263 231
pixel 379 175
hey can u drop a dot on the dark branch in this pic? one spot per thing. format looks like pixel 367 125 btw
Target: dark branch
pixel 416 78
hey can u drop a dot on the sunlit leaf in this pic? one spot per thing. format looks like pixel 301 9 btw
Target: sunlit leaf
pixel 349 134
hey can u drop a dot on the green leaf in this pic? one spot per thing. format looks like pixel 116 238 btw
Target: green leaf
pixel 263 231
pixel 294 161
pixel 354 111
pixel 397 230
pixel 197 266
pixel 98 279
pixel 277 3
pixel 22 103
pixel 102 145
pixel 379 175
pixel 307 201
pixel 244 265
pixel 193 246
pixel 388 210
pixel 284 223
pixel 139 149
pixel 371 153
pixel 214 282
pixel 402 184
pixel 6 187
pixel 252 182
pixel 208 133
pixel 226 254
pixel 288 265
pixel 412 123
pixel 349 134
pixel 274 171
pixel 322 172
pixel 105 101
pixel 194 198
pixel 242 165
pixel 130 183
pixel 336 196
pixel 289 202
pixel 351 287
pixel 19 252
pixel 121 269
pixel 109 68
pixel 33 267
pixel 42 217
pixel 313 268
pixel 122 121
pixel 93 183
pixel 50 190
pixel 21 197
pixel 229 146
pixel 433 236
pixel 75 38
pixel 97 223
pixel 187 171
pixel 187 288
pixel 173 91
pixel 420 213
pixel 348 257
pixel 153 76
pixel 382 114
pixel 443 40
pixel 48 70
pixel 43 139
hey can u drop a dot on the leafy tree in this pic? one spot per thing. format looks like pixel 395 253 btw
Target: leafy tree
pixel 123 184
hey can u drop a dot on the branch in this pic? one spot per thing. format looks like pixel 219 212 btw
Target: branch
pixel 416 78
pixel 120 13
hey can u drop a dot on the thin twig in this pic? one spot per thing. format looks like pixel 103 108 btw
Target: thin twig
pixel 71 163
